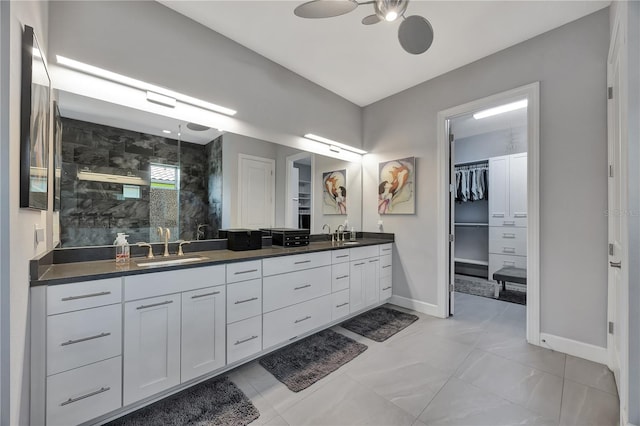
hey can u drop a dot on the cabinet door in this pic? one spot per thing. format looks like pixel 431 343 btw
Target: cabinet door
pixel 151 346
pixel 518 189
pixel 372 281
pixel 499 191
pixel 203 331
pixel 357 285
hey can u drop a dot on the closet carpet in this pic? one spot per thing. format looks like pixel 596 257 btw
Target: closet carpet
pixel 482 287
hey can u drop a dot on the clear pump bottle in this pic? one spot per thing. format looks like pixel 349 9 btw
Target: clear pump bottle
pixel 122 249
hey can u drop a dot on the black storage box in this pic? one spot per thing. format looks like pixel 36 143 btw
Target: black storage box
pixel 288 237
pixel 242 239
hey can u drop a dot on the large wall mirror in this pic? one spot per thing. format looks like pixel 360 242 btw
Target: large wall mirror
pixel 127 170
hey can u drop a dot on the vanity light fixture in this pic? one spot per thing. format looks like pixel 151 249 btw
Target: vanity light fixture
pixel 500 109
pixel 168 132
pixel 333 144
pixel 159 99
pixel 142 85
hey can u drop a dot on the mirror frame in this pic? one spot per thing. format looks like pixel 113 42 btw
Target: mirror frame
pixel 34 140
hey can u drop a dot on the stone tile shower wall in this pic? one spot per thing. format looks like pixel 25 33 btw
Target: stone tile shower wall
pixel 93 212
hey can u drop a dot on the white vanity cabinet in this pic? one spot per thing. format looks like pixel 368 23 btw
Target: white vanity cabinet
pixel 203 332
pixel 364 279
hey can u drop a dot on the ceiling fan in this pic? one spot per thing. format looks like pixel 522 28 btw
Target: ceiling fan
pixel 415 32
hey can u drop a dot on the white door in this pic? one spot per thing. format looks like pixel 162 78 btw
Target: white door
pixel 256 189
pixel 151 346
pixel 452 215
pixel 372 281
pixel 203 331
pixel 617 205
pixel 518 189
pixel 498 190
pixel 293 202
pixel 357 285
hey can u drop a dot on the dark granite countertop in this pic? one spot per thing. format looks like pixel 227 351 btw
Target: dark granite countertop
pixel 64 273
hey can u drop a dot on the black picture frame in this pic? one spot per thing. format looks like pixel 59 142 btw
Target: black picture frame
pixel 35 116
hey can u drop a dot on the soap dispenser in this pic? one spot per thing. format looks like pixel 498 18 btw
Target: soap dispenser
pixel 122 249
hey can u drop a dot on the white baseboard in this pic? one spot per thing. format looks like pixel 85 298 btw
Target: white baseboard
pixel 573 347
pixel 415 305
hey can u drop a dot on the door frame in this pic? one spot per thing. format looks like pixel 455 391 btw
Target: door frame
pixel 241 158
pixel 532 93
pixel 289 164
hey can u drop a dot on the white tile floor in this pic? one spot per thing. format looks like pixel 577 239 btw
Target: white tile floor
pixel 472 369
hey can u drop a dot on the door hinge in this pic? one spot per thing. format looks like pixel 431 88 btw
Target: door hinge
pixel 610 327
pixel 452 187
pixel 452 238
pixel 610 249
pixel 609 92
pixel 610 170
pixel 451 287
pixel 450 137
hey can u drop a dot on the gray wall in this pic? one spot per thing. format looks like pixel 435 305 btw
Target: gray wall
pixel 492 144
pixel 570 64
pixel 146 40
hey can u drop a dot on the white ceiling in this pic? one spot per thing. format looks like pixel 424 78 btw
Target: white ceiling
pixel 366 63
pixel 466 126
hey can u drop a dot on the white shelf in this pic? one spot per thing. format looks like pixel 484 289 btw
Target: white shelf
pixel 470 224
pixel 472 261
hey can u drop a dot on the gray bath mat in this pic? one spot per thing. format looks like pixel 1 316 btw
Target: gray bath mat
pixel 379 324
pixel 215 402
pixel 303 363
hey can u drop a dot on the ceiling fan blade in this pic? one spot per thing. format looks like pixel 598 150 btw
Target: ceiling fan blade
pixel 324 8
pixel 370 20
pixel 415 34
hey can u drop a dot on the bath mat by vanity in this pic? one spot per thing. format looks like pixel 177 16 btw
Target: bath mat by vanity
pixel 379 324
pixel 215 402
pixel 303 363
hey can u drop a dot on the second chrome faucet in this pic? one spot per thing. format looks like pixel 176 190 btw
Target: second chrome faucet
pixel 166 233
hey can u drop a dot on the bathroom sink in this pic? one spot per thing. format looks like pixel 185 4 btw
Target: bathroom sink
pixel 150 263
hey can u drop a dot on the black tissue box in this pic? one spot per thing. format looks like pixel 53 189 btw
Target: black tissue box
pixel 242 239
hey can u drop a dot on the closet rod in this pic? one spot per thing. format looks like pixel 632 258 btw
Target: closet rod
pixel 471 163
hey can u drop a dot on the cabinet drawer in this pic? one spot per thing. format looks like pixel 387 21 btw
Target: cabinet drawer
pixel 507 234
pixel 244 300
pixel 385 249
pixel 176 281
pixel 83 337
pixel 359 253
pixel 385 287
pixel 499 261
pixel 340 256
pixel 339 277
pixel 298 262
pixel 244 338
pixel 386 266
pixel 244 271
pixel 88 294
pixel 288 289
pixel 339 305
pixel 508 247
pixel 288 323
pixel 78 395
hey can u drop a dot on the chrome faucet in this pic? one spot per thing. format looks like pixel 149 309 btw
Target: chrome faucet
pixel 328 230
pixel 166 234
pixel 338 233
pixel 200 231
pixel 150 254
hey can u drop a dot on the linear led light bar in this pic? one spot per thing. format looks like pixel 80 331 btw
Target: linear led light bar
pixel 333 144
pixel 143 85
pixel 500 109
pixel 104 177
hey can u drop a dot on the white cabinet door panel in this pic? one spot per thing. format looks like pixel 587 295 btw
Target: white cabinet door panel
pixel 289 323
pixel 244 300
pixel 385 288
pixel 339 305
pixel 386 249
pixel 339 277
pixel 372 281
pixel 357 285
pixel 244 271
pixel 498 190
pixel 359 253
pixel 244 338
pixel 203 331
pixel 288 289
pixel 158 283
pixel 386 266
pixel 340 256
pixel 89 294
pixel 518 188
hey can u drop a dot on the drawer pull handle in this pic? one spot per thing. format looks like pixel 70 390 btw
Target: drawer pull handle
pixel 508 250
pixel 386 266
pixel 302 319
pixel 386 288
pixel 509 222
pixel 301 262
pixel 509 263
pixel 374 260
pixel 155 304
pixel 508 235
pixel 519 215
pixel 358 264
pixel 84 296
pixel 342 277
pixel 342 304
pixel 293 338
pixel 245 300
pixel 84 339
pixel 248 271
pixel 341 256
pixel 213 293
pixel 386 249
pixel 498 215
pixel 72 400
pixel 239 342
pixel 302 286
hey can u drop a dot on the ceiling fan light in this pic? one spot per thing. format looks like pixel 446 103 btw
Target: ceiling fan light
pixel 391 16
pixel 389 10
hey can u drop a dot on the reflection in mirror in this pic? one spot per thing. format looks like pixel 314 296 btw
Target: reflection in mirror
pixel 126 170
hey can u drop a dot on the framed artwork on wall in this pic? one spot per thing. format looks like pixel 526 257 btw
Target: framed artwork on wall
pixel 57 155
pixel 396 186
pixel 334 192
pixel 35 114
